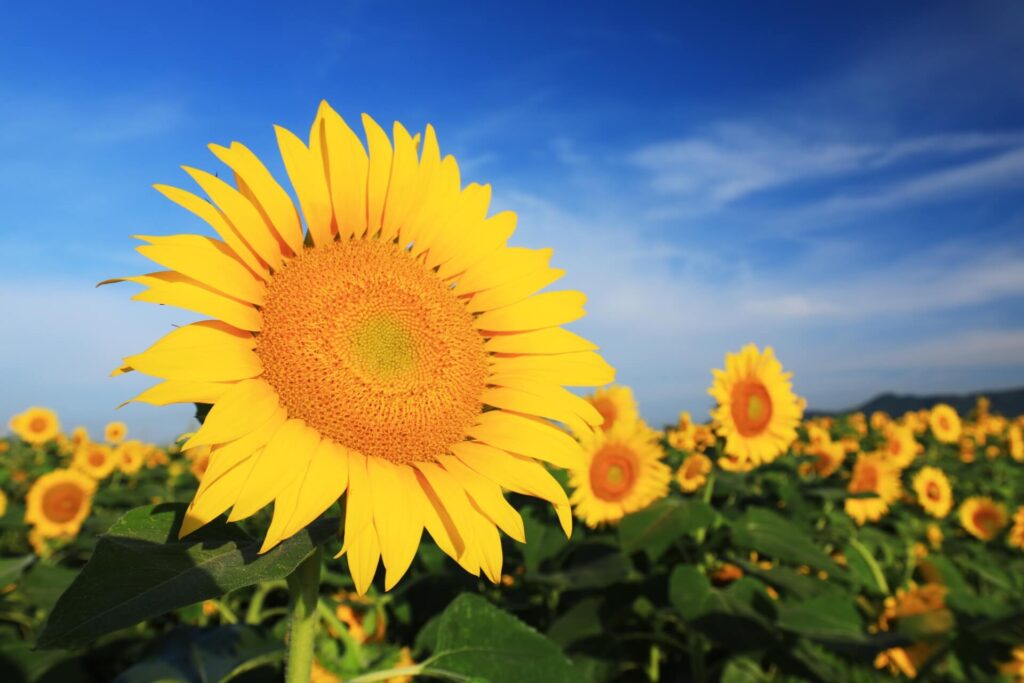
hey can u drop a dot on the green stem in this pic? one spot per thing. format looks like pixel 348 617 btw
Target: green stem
pixel 304 586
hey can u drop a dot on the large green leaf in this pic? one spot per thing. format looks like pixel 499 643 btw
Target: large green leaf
pixel 688 591
pixel 657 527
pixel 766 532
pixel 827 618
pixel 140 570
pixel 476 639
pixel 12 567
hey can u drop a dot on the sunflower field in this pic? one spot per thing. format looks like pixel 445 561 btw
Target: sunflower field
pixel 391 480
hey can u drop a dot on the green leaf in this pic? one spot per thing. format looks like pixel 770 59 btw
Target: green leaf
pixel 766 532
pixel 579 622
pixel 688 591
pixel 140 570
pixel 828 618
pixel 865 568
pixel 543 540
pixel 599 572
pixel 11 568
pixel 44 583
pixel 743 670
pixel 474 638
pixel 657 527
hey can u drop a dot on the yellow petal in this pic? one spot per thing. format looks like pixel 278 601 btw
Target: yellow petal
pixel 558 404
pixel 398 524
pixel 218 497
pixel 487 496
pixel 174 289
pixel 267 194
pixel 241 409
pixel 502 268
pixel 461 226
pixel 529 437
pixel 207 351
pixel 488 544
pixel 207 261
pixel 347 167
pixel 569 369
pixel 550 340
pixel 401 186
pixel 363 558
pixel 513 292
pixel 173 391
pixel 326 479
pixel 306 170
pixel 358 501
pixel 453 500
pixel 437 521
pixel 426 223
pixel 548 309
pixel 226 457
pixel 285 503
pixel 379 173
pixel 209 213
pixel 282 461
pixel 428 176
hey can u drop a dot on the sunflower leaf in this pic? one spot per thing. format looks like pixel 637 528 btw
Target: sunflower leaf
pixel 654 529
pixel 141 570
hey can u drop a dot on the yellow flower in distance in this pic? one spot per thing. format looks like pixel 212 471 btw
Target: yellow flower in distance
pixel 757 410
pixel 3 503
pixel 683 436
pixel 872 474
pixel 622 472
pixel 828 458
pixel 617 406
pixel 1016 535
pixel 982 517
pixel 36 425
pixel 1015 442
pixel 925 607
pixel 900 447
pixel 394 348
pixel 95 459
pixel 945 423
pixel 59 502
pixel 130 456
pixel 693 472
pixel 115 432
pixel 934 493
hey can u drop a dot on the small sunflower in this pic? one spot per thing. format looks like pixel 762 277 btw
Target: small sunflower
pixel 872 474
pixel 59 502
pixel 926 607
pixel 130 456
pixel 3 503
pixel 393 348
pixel 115 432
pixel 934 535
pixel 36 425
pixel 622 472
pixel 828 458
pixel 617 406
pixel 95 459
pixel 900 447
pixel 733 463
pixel 683 436
pixel 982 517
pixel 79 436
pixel 934 493
pixel 693 472
pixel 945 423
pixel 1015 442
pixel 1016 535
pixel 757 410
pixel 1014 668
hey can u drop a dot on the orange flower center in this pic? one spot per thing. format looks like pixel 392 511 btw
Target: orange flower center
pixel 62 502
pixel 613 472
pixel 943 422
pixel 371 349
pixel 694 468
pixel 933 491
pixel 96 458
pixel 865 479
pixel 38 424
pixel 751 407
pixel 606 407
pixel 987 520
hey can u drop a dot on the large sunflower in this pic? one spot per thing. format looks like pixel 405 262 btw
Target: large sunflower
pixel 59 502
pixel 622 472
pixel 872 474
pixel 934 493
pixel 757 410
pixel 396 348
pixel 36 425
pixel 982 517
pixel 95 459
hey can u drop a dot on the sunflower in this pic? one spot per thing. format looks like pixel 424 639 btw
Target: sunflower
pixel 732 463
pixel 1016 535
pixel 622 472
pixel 36 425
pixel 945 423
pixel 199 460
pixel 872 474
pixel 3 503
pixel 96 460
pixel 130 456
pixel 828 458
pixel 693 472
pixel 757 410
pixel 1015 442
pixel 59 502
pixel 982 517
pixel 79 436
pixel 396 349
pixel 918 609
pixel 934 535
pixel 1014 668
pixel 934 493
pixel 617 406
pixel 900 447
pixel 115 432
pixel 683 436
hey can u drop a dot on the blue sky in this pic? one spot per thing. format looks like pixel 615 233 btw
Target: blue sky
pixel 843 183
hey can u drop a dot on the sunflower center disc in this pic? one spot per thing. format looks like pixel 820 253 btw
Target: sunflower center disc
pixel 613 472
pixel 372 350
pixel 61 503
pixel 751 407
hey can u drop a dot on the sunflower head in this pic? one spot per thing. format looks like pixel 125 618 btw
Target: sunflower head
pixel 757 410
pixel 828 458
pixel 115 432
pixel 918 611
pixel 622 472
pixel 379 340
pixel 1015 442
pixel 617 406
pixel 934 535
pixel 1015 537
pixel 129 456
pixel 36 425
pixel 934 493
pixel 945 423
pixel 693 472
pixel 58 502
pixel 900 447
pixel 96 460
pixel 872 474
pixel 982 517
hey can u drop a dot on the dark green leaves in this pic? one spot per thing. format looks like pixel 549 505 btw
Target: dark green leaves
pixel 140 570
pixel 768 533
pixel 656 528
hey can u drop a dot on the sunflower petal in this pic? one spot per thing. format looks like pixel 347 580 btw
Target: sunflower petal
pixel 398 525
pixel 207 351
pixel 282 461
pixel 402 184
pixel 175 391
pixel 502 268
pixel 346 168
pixel 363 558
pixel 205 260
pixel 358 502
pixel 551 340
pixel 326 480
pixel 514 292
pixel 218 497
pixel 379 173
pixel 487 496
pixel 527 436
pixel 305 168
pixel 568 369
pixel 174 289
pixel 241 409
pixel 455 503
pixel 559 405
pixel 548 309
pixel 228 456
pixel 437 521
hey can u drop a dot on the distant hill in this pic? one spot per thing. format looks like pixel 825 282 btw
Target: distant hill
pixel 1009 402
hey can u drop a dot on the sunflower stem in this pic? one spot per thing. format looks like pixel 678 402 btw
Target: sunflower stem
pixel 304 587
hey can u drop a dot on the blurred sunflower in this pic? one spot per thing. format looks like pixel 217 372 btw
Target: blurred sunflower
pixel 36 425
pixel 683 436
pixel 59 502
pixel 982 517
pixel 1014 668
pixel 693 472
pixel 900 447
pixel 828 458
pixel 934 493
pixel 1016 535
pixel 397 350
pixel 617 406
pixel 622 472
pixel 872 474
pixel 79 436
pixel 3 503
pixel 199 460
pixel 733 463
pixel 1015 442
pixel 129 456
pixel 945 423
pixel 757 411
pixel 934 535
pixel 920 610
pixel 115 432
pixel 95 459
